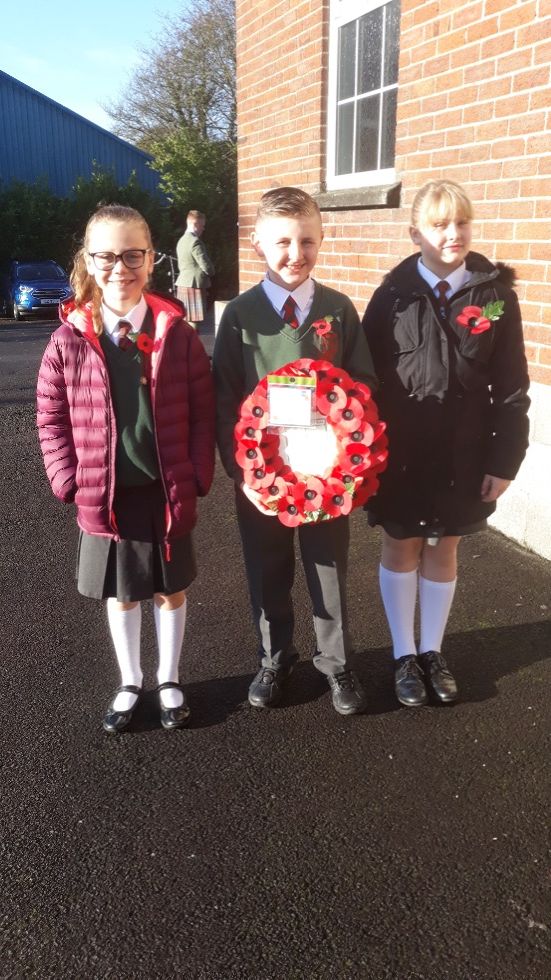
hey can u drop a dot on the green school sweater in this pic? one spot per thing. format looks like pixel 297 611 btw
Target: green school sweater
pixel 253 340
pixel 136 458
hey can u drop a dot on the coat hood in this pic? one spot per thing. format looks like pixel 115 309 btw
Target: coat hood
pixel 405 275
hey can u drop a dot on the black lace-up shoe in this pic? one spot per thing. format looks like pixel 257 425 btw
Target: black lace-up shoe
pixel 409 682
pixel 439 676
pixel 116 721
pixel 174 717
pixel 267 686
pixel 347 693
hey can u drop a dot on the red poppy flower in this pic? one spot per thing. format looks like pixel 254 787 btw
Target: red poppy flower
pixel 322 327
pixel 249 457
pixel 349 416
pixel 320 368
pixel 329 396
pixel 355 389
pixel 255 410
pixel 260 477
pixel 290 513
pixel 246 434
pixel 269 444
pixel 471 318
pixel 287 474
pixel 145 343
pixel 362 436
pixel 336 499
pixel 278 488
pixel 366 490
pixel 355 459
pixel 308 494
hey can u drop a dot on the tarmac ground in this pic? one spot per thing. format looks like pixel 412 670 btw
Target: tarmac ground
pixel 287 844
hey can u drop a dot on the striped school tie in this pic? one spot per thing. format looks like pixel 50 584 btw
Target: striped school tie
pixel 290 312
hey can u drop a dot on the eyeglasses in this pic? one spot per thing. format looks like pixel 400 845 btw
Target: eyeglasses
pixel 132 258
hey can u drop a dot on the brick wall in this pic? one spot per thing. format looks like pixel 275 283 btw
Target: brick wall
pixel 473 105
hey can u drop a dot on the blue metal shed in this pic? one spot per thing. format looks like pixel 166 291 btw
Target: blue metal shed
pixel 40 138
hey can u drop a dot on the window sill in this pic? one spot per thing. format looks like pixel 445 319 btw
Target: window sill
pixel 358 199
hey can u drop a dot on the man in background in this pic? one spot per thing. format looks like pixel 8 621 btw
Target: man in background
pixel 194 269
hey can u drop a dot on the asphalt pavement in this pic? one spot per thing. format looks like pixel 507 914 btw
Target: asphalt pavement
pixel 288 844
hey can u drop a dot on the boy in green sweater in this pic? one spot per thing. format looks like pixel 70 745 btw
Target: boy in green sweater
pixel 264 328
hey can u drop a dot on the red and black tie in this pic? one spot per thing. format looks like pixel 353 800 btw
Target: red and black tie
pixel 124 329
pixel 442 288
pixel 290 312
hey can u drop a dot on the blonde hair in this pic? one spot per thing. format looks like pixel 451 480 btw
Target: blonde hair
pixel 195 214
pixel 287 202
pixel 84 285
pixel 440 199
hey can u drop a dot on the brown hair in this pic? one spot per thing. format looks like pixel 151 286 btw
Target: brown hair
pixel 287 202
pixel 440 199
pixel 84 285
pixel 195 214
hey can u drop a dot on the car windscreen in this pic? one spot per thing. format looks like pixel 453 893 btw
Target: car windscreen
pixel 40 270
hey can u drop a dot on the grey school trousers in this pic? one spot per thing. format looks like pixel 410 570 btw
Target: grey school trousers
pixel 269 552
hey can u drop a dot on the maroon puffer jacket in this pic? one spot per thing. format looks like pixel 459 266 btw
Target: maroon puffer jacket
pixel 77 427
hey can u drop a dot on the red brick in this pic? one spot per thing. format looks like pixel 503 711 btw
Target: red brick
pixel 498 45
pixel 538 335
pixel 523 167
pixel 541 375
pixel 531 122
pixel 534 78
pixel 539 250
pixel 523 13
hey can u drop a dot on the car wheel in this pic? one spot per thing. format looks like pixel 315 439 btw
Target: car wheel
pixel 15 312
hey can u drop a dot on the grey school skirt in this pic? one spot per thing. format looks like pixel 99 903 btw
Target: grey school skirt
pixel 137 566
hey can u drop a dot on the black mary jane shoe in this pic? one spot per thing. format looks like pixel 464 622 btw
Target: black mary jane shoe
pixel 116 721
pixel 173 717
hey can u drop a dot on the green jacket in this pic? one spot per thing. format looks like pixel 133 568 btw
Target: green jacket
pixel 194 266
pixel 253 340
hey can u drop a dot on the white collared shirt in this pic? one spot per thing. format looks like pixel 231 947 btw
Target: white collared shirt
pixel 456 279
pixel 303 296
pixel 135 316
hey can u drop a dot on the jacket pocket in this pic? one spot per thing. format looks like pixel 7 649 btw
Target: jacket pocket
pixel 477 347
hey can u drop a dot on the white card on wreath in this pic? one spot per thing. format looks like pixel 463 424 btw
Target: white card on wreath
pixel 290 400
pixel 311 451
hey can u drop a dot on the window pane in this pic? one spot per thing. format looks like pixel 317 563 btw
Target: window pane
pixel 392 45
pixel 345 138
pixel 367 133
pixel 388 134
pixel 370 50
pixel 347 60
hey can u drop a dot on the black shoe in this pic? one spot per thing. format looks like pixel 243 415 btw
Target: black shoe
pixel 117 721
pixel 173 717
pixel 347 693
pixel 267 686
pixel 409 682
pixel 438 676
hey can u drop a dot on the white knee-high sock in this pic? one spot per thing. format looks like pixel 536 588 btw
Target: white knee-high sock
pixel 399 595
pixel 170 625
pixel 435 602
pixel 125 626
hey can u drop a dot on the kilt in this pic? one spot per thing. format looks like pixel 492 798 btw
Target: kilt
pixel 195 302
pixel 135 567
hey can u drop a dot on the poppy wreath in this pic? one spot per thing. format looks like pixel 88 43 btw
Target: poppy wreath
pixel 302 498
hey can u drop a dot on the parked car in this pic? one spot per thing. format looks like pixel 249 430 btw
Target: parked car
pixel 34 287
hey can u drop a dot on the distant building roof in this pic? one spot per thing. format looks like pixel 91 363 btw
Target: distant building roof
pixel 43 139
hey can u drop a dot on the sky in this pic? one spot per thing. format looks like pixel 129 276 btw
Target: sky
pixel 81 54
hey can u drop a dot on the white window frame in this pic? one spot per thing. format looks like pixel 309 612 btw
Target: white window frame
pixel 341 12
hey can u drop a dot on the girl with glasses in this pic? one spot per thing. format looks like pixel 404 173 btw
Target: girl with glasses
pixel 125 417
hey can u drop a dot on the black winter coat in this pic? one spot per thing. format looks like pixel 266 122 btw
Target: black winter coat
pixel 455 402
